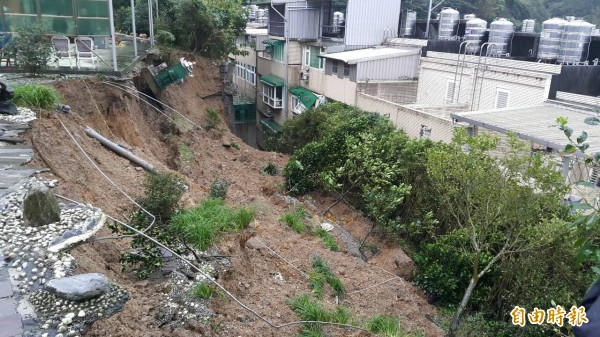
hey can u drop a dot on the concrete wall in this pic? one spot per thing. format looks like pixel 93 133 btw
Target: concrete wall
pixel 525 89
pixel 407 119
pixel 331 86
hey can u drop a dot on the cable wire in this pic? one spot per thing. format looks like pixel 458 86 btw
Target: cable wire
pixel 218 285
pixel 106 177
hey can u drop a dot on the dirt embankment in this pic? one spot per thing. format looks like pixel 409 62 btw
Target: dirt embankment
pixel 123 118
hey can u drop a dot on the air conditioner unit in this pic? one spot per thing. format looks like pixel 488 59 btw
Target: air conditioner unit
pixel 304 75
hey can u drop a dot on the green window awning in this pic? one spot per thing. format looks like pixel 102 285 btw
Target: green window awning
pixel 305 96
pixel 272 80
pixel 272 42
pixel 271 125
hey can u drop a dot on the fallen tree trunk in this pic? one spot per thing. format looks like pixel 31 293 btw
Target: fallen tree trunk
pixel 119 150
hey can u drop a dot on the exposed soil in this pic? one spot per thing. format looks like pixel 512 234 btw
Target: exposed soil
pixel 123 118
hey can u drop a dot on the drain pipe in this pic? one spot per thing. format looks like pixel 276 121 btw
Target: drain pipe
pixel 285 51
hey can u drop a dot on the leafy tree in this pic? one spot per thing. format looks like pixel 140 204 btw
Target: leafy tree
pixel 31 47
pixel 501 207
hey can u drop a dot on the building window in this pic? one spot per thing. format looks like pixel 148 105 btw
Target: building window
pixel 450 91
pixel 272 96
pixel 334 67
pixel 297 106
pixel 250 74
pixel 346 70
pixel 311 57
pixel 278 52
pixel 502 98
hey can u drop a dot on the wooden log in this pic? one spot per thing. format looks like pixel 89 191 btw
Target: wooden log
pixel 119 150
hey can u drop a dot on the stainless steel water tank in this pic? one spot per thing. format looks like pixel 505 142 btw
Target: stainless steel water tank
pixel 501 32
pixel 550 39
pixel 474 33
pixel 252 12
pixel 409 23
pixel 574 41
pixel 448 23
pixel 528 26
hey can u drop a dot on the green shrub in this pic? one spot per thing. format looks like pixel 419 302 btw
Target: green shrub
pixel 162 193
pixel 295 219
pixel 31 47
pixel 218 188
pixel 203 291
pixel 271 169
pixel 212 119
pixel 202 225
pixel 37 96
pixel 328 239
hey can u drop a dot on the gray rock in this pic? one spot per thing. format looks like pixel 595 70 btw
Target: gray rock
pixel 40 206
pixel 79 287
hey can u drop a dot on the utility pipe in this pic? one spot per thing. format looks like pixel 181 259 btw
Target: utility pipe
pixel 135 52
pixel 284 94
pixel 119 150
pixel 112 34
pixel 429 16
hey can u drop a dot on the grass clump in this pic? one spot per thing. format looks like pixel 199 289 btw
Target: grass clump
pixel 212 119
pixel 310 310
pixel 202 291
pixel 386 326
pixel 186 154
pixel 328 239
pixel 320 275
pixel 295 219
pixel 202 225
pixel 37 96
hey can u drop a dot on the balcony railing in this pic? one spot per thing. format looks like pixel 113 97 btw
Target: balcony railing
pixel 273 102
pixel 335 31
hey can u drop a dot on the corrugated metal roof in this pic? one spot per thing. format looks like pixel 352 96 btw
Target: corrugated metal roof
pixel 537 124
pixel 363 55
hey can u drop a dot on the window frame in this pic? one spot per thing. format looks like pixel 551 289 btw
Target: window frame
pixel 297 105
pixel 269 94
pixel 346 70
pixel 334 67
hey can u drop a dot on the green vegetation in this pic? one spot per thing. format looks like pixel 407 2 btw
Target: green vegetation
pixel 328 239
pixel 186 154
pixel 206 27
pixel 386 326
pixel 203 291
pixel 201 226
pixel 320 275
pixel 271 169
pixel 31 47
pixel 218 188
pixel 310 310
pixel 477 224
pixel 295 219
pixel 162 193
pixel 37 96
pixel 212 119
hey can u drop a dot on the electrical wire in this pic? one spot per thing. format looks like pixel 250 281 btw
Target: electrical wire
pixel 217 284
pixel 125 88
pixel 106 177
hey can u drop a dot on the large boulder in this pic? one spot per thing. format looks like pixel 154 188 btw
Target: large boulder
pixel 79 287
pixel 405 266
pixel 40 206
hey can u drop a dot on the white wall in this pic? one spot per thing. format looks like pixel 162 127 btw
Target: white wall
pixel 367 21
